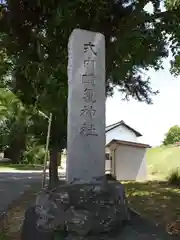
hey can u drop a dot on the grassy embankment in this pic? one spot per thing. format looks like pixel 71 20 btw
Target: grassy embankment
pixel 156 199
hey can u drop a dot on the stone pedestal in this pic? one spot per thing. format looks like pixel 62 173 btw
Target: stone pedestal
pixel 83 209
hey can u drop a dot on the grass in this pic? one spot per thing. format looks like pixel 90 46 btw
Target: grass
pixel 10 166
pixel 155 200
pixel 162 161
pixel 174 177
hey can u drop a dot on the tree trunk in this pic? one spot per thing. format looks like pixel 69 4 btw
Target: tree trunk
pixel 13 153
pixel 16 148
pixel 53 167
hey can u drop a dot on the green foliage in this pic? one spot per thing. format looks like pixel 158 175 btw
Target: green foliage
pixel 33 58
pixel 10 117
pixel 172 4
pixel 174 7
pixel 34 37
pixel 174 177
pixel 16 125
pixel 172 136
pixel 34 154
pixel 37 45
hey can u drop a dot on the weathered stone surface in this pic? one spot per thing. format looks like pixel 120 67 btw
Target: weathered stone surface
pixel 85 209
pixel 139 229
pixel 30 230
pixel 86 105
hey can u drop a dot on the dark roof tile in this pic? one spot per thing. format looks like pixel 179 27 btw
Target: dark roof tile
pixel 117 124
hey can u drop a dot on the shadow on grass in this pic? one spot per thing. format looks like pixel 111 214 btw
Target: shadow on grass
pixel 21 166
pixel 155 200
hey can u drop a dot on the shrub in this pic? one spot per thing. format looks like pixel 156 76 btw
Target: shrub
pixel 34 155
pixel 172 136
pixel 174 177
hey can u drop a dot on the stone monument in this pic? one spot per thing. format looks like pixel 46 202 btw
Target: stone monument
pixel 86 106
pixel 89 205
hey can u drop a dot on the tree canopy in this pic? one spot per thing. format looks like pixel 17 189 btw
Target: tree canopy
pixel 13 125
pixel 33 48
pixel 35 35
pixel 19 130
pixel 172 136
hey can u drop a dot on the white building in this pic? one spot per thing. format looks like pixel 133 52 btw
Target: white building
pixel 125 156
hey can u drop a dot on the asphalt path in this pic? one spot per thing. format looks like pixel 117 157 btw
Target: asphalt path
pixel 13 184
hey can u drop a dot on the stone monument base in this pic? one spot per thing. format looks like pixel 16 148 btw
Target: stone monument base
pixel 138 229
pixel 86 211
pixel 82 209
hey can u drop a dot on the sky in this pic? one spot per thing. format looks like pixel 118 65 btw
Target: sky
pixel 153 121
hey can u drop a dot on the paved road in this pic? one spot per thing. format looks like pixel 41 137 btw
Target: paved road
pixel 13 184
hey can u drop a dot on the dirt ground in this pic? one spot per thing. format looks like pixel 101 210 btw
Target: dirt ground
pixel 156 201
pixel 10 225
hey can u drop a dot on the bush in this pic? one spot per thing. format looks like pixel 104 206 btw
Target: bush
pixel 174 178
pixel 172 136
pixel 34 155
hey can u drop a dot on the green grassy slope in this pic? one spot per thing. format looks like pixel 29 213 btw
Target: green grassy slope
pixel 162 160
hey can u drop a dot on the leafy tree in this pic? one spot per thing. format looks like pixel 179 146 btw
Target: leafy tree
pixel 40 34
pixel 18 125
pixel 34 153
pixel 34 37
pixel 174 6
pixel 13 125
pixel 172 136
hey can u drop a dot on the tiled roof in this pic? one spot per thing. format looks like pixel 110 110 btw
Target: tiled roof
pixel 115 125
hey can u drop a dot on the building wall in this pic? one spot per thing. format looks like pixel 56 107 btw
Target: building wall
pixel 108 166
pixel 130 163
pixel 121 133
pixel 1 155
